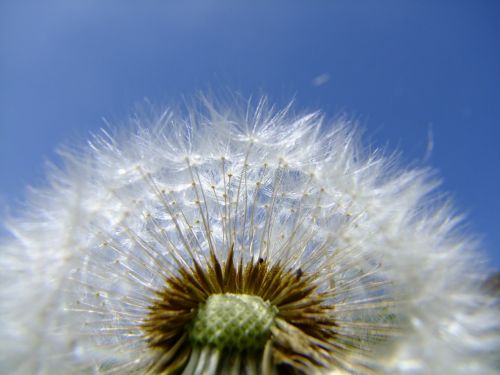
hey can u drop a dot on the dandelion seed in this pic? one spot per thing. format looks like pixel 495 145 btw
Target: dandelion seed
pixel 227 243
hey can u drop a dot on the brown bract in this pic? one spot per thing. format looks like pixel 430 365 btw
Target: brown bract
pixel 300 339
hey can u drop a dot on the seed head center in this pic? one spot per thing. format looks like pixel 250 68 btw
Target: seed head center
pixel 235 322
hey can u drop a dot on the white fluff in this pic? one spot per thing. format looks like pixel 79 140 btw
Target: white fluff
pixel 90 250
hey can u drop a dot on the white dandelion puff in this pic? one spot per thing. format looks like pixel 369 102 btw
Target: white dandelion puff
pixel 230 242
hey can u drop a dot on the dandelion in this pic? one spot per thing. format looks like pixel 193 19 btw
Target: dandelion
pixel 228 242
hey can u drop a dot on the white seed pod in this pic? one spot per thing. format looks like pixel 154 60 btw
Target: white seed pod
pixel 222 242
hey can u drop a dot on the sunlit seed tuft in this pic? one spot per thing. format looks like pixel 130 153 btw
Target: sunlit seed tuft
pixel 337 259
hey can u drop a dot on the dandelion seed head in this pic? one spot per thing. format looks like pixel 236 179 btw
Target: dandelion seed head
pixel 249 242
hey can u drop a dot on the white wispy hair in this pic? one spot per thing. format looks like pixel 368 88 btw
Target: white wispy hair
pixel 91 252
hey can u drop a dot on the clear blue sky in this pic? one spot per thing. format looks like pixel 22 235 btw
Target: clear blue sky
pixel 402 68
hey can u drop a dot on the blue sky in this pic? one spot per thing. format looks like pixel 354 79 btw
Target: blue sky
pixel 403 69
